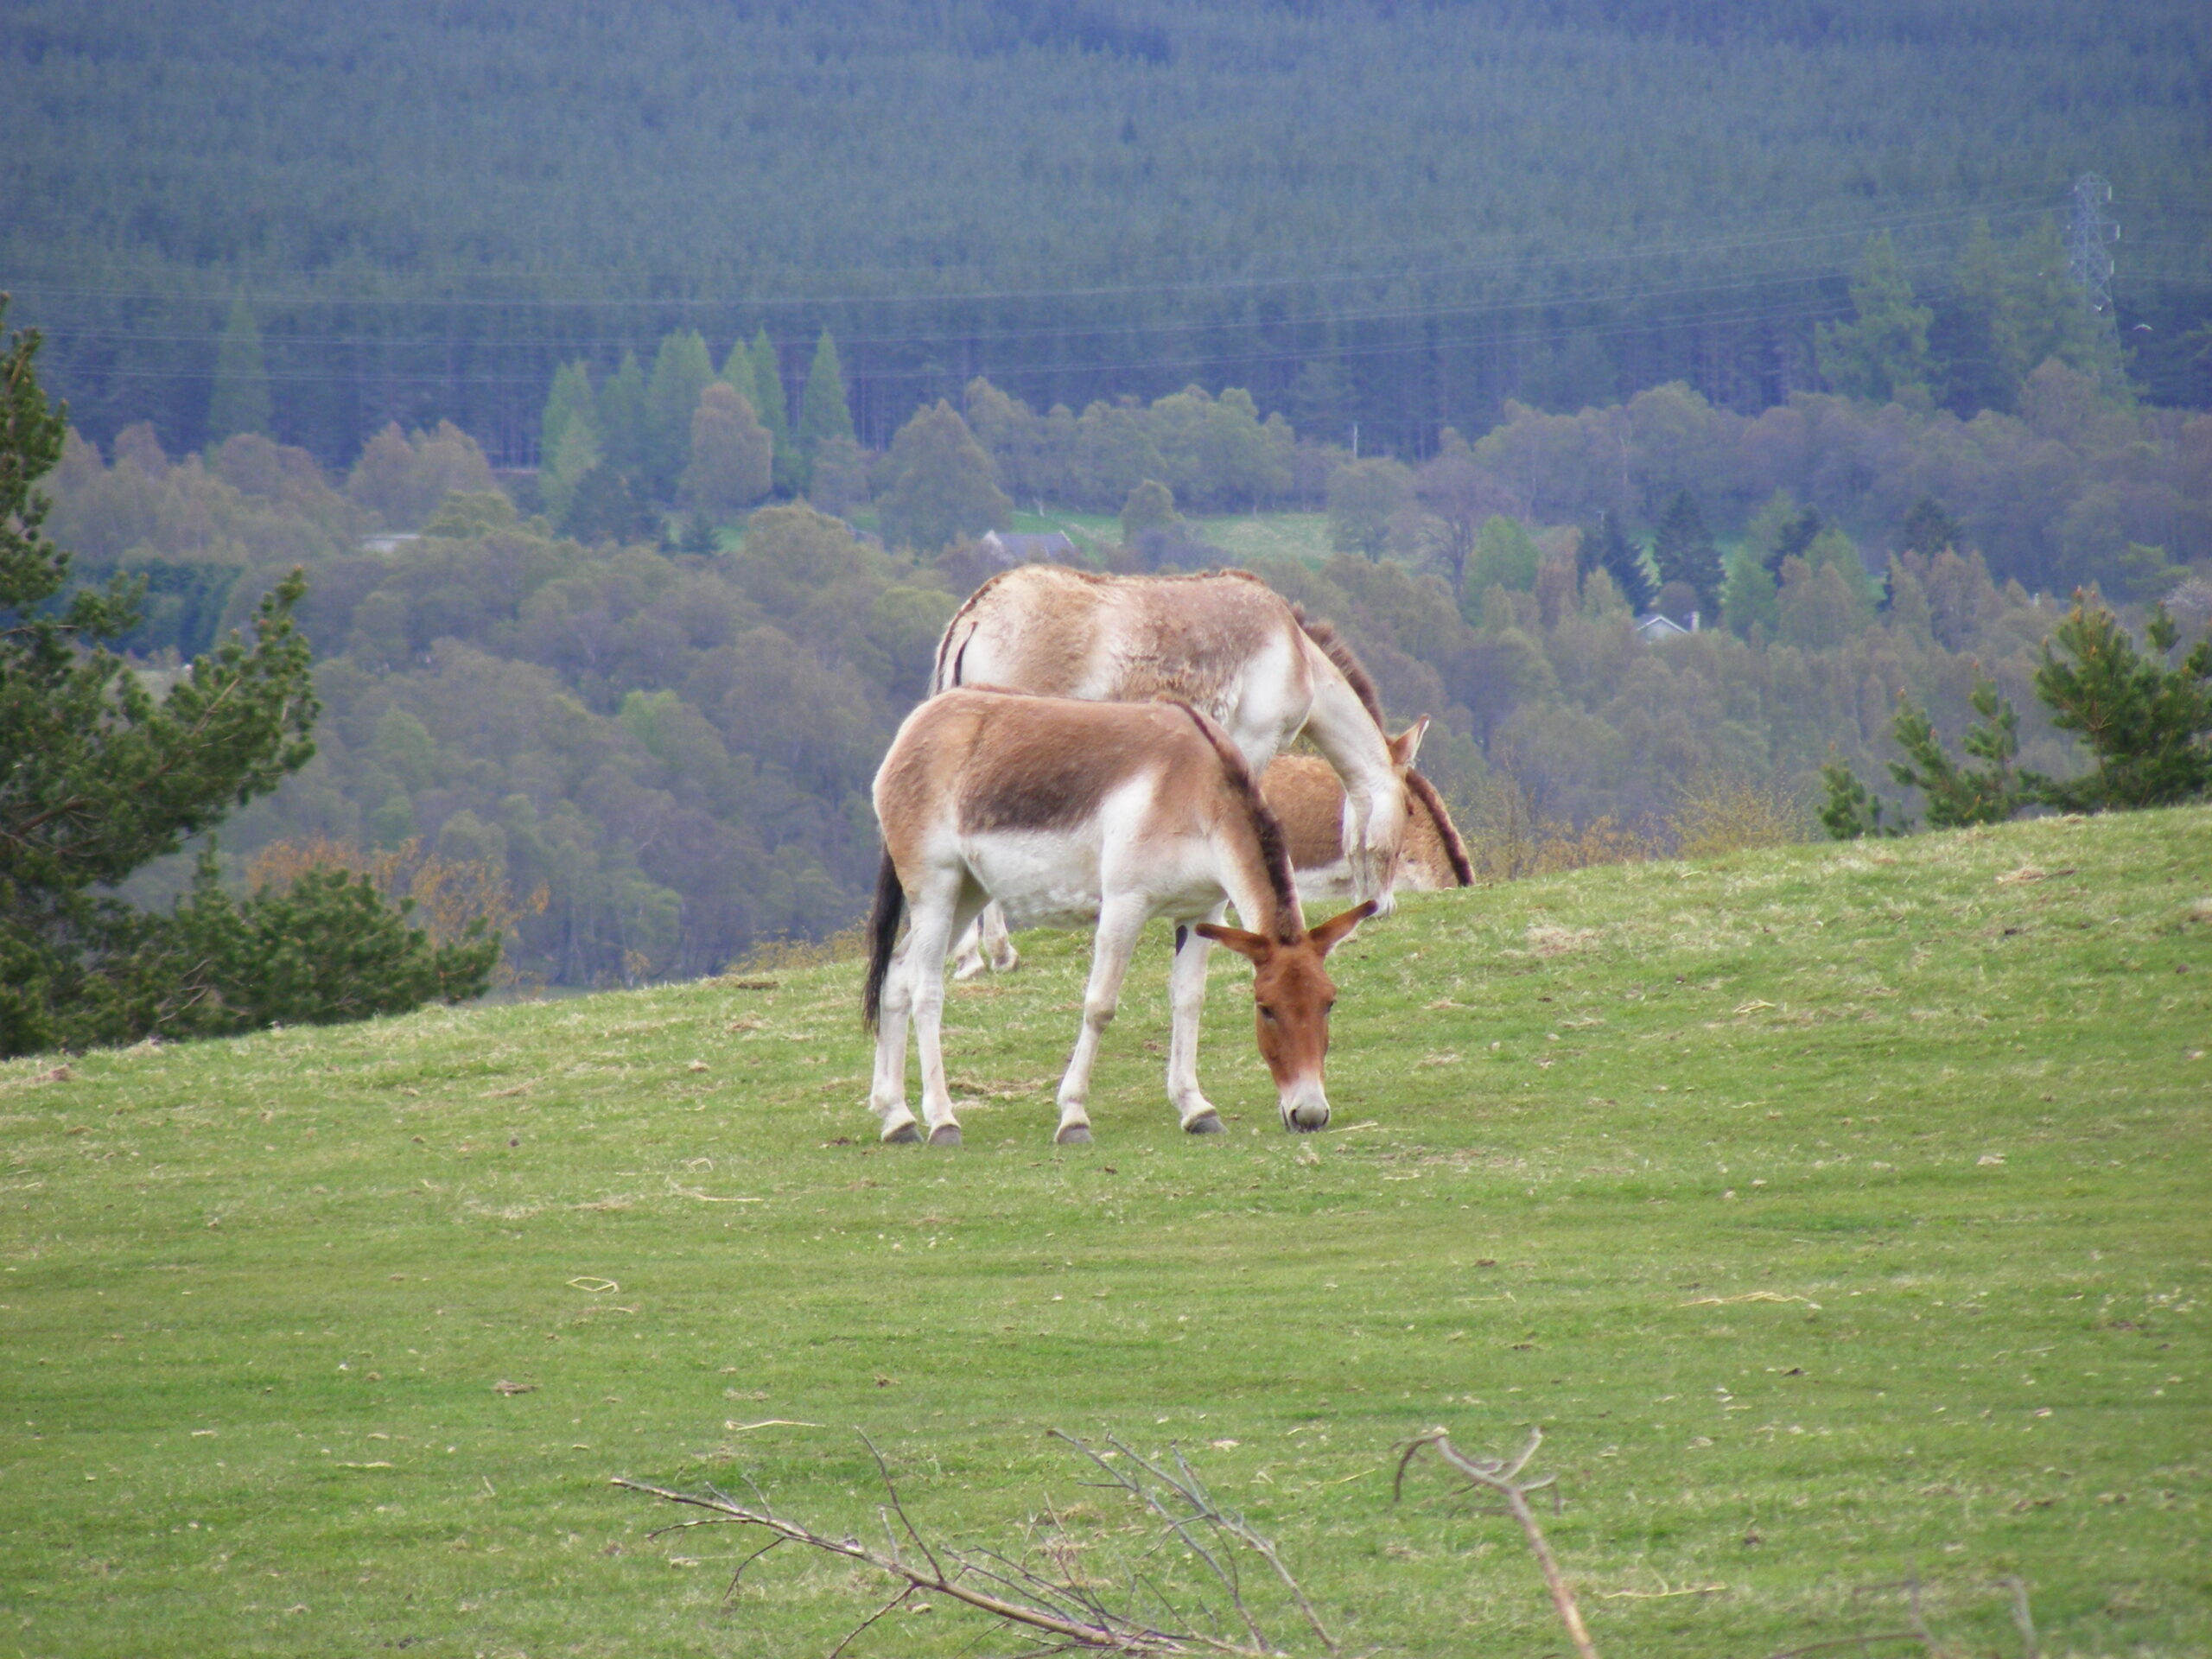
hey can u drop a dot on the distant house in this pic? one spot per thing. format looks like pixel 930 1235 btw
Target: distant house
pixel 1657 626
pixel 1018 547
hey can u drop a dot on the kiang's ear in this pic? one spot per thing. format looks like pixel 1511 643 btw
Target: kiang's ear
pixel 1334 932
pixel 1257 946
pixel 1406 744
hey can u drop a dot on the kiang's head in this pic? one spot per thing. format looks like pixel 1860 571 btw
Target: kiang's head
pixel 1386 836
pixel 1293 994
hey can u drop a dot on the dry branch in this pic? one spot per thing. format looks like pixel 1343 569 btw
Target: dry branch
pixel 1503 1477
pixel 1070 1615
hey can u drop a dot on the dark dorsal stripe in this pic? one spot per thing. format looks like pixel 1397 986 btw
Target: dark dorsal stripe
pixel 1332 645
pixel 1446 831
pixel 1274 852
pixel 962 624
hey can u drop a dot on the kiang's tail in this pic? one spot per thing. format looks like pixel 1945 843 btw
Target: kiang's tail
pixel 883 934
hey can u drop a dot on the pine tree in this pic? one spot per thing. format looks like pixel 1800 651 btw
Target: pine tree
pixel 1683 550
pixel 1929 530
pixel 1964 337
pixel 576 456
pixel 823 413
pixel 571 395
pixel 769 405
pixel 2042 315
pixel 240 402
pixel 2148 727
pixel 1624 564
pixel 682 370
pixel 101 776
pixel 622 433
pixel 1883 355
pixel 737 374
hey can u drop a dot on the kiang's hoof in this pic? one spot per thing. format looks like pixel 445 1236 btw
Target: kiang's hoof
pixel 1204 1123
pixel 906 1135
pixel 945 1135
pixel 1073 1135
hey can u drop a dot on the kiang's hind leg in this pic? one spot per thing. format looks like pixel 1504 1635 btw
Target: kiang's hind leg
pixel 950 909
pixel 968 952
pixel 998 939
pixel 1186 995
pixel 985 943
pixel 888 1097
pixel 1120 922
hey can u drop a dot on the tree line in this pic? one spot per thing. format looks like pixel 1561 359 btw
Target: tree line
pixel 668 735
pixel 1392 219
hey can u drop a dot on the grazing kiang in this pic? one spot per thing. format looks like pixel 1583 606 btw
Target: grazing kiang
pixel 1068 812
pixel 1307 799
pixel 1224 642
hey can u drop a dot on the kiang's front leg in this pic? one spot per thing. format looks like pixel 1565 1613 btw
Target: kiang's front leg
pixel 1120 922
pixel 949 909
pixel 1186 992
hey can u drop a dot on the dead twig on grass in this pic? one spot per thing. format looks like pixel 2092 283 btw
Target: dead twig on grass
pixel 1206 1514
pixel 1053 1604
pixel 1503 1477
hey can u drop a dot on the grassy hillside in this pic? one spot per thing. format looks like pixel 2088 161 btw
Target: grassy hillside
pixel 1839 1212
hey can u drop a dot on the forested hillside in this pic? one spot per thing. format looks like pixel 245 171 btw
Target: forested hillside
pixel 670 739
pixel 1395 217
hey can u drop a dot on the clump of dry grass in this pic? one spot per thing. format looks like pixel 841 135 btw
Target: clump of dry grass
pixel 1721 812
pixel 788 955
pixel 1509 836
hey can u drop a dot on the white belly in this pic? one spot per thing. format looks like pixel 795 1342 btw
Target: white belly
pixel 1058 878
pixel 1040 880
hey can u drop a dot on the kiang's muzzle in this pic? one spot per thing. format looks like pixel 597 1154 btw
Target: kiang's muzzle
pixel 1305 1106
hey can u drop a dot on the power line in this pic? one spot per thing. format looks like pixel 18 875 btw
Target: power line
pixel 1508 262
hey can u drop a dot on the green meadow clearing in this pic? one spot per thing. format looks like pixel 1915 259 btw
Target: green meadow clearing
pixel 1841 1213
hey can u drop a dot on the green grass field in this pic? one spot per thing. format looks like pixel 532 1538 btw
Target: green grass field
pixel 1841 1213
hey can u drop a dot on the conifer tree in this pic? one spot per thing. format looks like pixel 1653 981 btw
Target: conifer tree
pixel 574 458
pixel 622 433
pixel 1883 354
pixel 2043 315
pixel 737 374
pixel 240 402
pixel 1683 550
pixel 768 403
pixel 682 369
pixel 101 778
pixel 1619 557
pixel 571 396
pixel 1929 530
pixel 823 412
pixel 1964 338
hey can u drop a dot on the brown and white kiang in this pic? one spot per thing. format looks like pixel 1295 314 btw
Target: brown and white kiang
pixel 1221 641
pixel 1307 799
pixel 1068 812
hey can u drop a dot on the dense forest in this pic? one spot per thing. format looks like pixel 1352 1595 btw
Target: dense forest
pixel 1377 218
pixel 664 731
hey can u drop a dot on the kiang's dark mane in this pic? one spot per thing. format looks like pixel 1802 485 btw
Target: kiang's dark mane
pixel 1332 645
pixel 1446 831
pixel 1274 852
